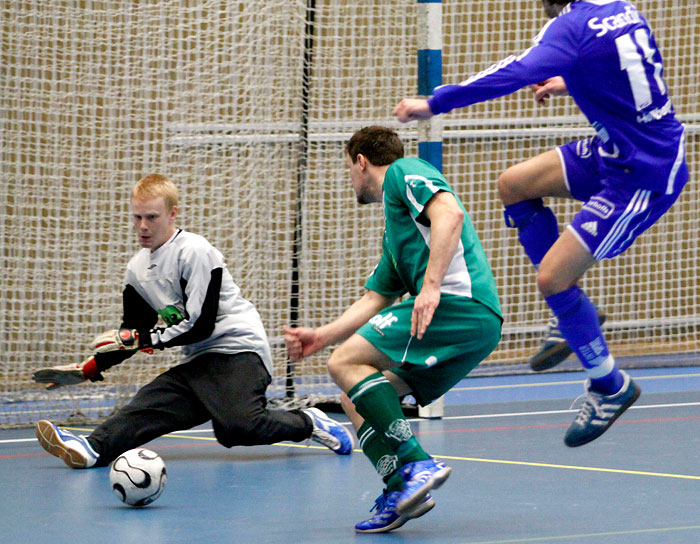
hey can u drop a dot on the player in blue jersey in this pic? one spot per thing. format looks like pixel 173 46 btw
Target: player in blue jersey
pixel 226 363
pixel 603 54
pixel 423 345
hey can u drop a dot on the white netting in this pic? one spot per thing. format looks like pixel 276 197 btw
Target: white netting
pixel 235 103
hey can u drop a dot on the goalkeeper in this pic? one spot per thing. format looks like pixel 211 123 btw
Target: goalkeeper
pixel 226 364
pixel 421 346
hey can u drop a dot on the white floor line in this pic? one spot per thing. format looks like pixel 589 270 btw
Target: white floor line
pixel 451 418
pixel 570 411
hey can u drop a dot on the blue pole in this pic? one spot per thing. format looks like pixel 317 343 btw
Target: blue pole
pixel 429 77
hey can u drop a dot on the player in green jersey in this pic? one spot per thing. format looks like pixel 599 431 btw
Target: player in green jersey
pixel 449 322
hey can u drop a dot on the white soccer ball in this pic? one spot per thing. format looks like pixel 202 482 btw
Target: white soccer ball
pixel 138 477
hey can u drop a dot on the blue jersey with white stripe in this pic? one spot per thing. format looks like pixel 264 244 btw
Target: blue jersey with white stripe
pixel 607 55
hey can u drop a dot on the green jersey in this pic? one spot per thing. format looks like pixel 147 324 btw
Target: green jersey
pixel 409 184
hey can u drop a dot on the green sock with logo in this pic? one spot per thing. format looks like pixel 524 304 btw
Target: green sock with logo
pixel 375 399
pixel 383 458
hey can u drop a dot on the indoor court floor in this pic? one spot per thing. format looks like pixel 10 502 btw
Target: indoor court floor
pixel 513 479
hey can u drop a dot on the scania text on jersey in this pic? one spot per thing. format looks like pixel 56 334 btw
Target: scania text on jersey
pixel 620 20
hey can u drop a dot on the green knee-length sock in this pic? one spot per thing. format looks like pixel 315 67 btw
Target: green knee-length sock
pixel 375 399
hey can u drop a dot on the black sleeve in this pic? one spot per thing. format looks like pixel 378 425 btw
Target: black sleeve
pixel 138 315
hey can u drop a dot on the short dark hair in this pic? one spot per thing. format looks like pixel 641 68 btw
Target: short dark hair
pixel 380 145
pixel 553 7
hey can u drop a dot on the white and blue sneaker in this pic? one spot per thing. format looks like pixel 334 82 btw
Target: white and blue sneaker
pixel 75 451
pixel 387 518
pixel 329 432
pixel 419 478
pixel 600 411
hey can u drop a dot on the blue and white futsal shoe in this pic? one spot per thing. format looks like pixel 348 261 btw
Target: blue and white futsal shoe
pixel 75 451
pixel 387 518
pixel 329 432
pixel 600 411
pixel 419 478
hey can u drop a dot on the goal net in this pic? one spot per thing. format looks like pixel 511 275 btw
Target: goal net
pixel 246 106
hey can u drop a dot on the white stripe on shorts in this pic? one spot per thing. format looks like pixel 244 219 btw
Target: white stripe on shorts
pixel 676 165
pixel 638 204
pixel 563 169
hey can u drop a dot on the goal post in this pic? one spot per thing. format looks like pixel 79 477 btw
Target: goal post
pixel 429 39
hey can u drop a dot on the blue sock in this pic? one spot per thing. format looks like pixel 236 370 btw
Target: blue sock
pixel 578 323
pixel 537 227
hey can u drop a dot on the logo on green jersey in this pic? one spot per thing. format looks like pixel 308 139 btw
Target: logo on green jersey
pixel 171 315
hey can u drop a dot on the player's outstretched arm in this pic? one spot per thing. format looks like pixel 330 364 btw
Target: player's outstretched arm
pixel 302 341
pixel 58 376
pixel 412 109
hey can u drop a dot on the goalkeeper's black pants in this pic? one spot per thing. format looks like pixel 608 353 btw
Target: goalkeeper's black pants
pixel 227 389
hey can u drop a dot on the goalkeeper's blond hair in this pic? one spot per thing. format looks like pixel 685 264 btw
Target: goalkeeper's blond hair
pixel 153 186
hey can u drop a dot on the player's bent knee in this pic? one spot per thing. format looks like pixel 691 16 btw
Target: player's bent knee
pixel 549 282
pixel 337 363
pixel 510 186
pixel 505 188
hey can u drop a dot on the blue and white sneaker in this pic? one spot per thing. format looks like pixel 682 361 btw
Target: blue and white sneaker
pixel 75 451
pixel 329 432
pixel 387 517
pixel 418 479
pixel 555 348
pixel 600 411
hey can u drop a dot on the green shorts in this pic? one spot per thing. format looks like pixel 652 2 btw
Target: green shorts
pixel 462 333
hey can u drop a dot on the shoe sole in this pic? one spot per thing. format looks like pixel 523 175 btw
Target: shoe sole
pixel 409 505
pixel 551 358
pixel 422 509
pixel 622 410
pixel 557 354
pixel 52 443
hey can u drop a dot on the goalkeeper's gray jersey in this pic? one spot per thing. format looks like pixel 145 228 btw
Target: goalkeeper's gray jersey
pixel 187 283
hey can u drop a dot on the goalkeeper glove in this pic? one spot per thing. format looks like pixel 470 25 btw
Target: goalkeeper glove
pixel 59 376
pixel 122 340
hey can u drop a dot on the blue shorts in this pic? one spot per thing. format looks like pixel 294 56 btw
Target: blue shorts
pixel 614 213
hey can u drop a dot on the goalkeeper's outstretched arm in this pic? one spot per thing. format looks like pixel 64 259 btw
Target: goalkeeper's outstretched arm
pixel 112 347
pixel 115 346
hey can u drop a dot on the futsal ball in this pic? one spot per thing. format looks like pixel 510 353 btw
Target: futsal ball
pixel 138 477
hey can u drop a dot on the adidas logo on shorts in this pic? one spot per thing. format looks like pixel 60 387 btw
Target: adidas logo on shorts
pixel 591 227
